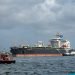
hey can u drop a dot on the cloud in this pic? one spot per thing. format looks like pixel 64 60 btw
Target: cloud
pixel 29 12
pixel 35 18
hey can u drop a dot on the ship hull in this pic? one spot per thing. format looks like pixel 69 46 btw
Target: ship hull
pixel 37 51
pixel 21 55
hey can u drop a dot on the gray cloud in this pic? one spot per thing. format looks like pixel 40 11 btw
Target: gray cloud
pixel 25 19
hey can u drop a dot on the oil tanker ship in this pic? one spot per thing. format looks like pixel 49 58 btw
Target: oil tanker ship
pixel 57 47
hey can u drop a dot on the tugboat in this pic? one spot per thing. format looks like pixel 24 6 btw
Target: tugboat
pixel 72 53
pixel 6 58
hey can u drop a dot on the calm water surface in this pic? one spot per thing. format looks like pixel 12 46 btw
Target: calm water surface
pixel 40 66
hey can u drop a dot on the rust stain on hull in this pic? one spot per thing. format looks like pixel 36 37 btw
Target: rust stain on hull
pixel 39 55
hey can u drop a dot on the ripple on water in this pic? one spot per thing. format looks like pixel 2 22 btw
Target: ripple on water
pixel 40 66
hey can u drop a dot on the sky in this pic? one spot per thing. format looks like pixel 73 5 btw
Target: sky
pixel 27 21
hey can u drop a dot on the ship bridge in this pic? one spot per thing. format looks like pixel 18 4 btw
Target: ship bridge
pixel 58 42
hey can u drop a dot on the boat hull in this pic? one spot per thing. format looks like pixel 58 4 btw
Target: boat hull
pixel 37 55
pixel 37 51
pixel 68 54
pixel 7 62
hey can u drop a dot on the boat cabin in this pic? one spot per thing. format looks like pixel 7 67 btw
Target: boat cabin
pixel 6 58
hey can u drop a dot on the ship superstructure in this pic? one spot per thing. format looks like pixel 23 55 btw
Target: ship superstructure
pixel 58 42
pixel 57 47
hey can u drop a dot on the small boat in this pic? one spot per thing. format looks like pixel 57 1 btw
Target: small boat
pixel 6 58
pixel 69 54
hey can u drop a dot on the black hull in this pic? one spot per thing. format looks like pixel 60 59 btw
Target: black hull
pixel 7 62
pixel 68 54
pixel 37 51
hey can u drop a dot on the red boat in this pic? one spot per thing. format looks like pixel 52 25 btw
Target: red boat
pixel 6 58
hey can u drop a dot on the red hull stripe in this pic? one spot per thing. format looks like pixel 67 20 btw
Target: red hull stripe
pixel 38 54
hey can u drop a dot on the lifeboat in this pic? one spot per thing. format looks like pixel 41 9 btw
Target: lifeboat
pixel 6 59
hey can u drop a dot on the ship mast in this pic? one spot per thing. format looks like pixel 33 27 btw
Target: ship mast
pixel 59 35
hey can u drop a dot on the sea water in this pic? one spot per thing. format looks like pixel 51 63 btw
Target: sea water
pixel 62 65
